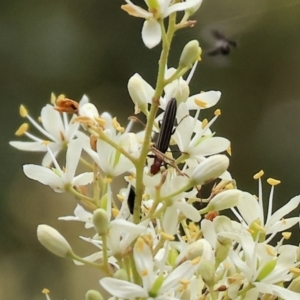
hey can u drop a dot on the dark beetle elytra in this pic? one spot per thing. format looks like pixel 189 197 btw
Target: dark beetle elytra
pixel 164 136
pixel 130 200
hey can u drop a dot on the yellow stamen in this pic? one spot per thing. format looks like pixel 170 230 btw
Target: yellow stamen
pixel 200 103
pixel 120 197
pixel 100 121
pixel 139 245
pixel 60 97
pixel 229 150
pixel 286 235
pixel 259 227
pixel 229 186
pixel 52 98
pixel 272 181
pixel 22 129
pixel 184 282
pixel 117 125
pixel 270 250
pixel 46 143
pixel 23 111
pixel 40 119
pixel 167 236
pixel 107 180
pixel 204 123
pixel 195 260
pixel 115 212
pixel 259 174
pixel 45 291
pixel 144 272
pixel 295 271
pixel 217 112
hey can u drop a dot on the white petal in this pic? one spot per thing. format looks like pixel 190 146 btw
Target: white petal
pixel 151 33
pixel 188 210
pixel 210 98
pixel 170 220
pixel 52 122
pixel 44 176
pixel 29 146
pixel 249 208
pixel 284 210
pixel 122 289
pixel 182 6
pixel 277 291
pixel 73 155
pixel 83 179
pixel 210 146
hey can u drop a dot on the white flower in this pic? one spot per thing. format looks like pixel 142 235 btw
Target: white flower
pixel 251 210
pixel 60 180
pixel 110 160
pixel 151 32
pixel 195 141
pixel 80 214
pixel 264 266
pixel 145 267
pixel 176 203
pixel 55 127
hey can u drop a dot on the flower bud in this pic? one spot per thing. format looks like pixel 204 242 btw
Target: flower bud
pixel 223 200
pixel 138 90
pixel 88 110
pixel 190 53
pixel 210 169
pixel 295 285
pixel 121 274
pixel 53 241
pixel 222 250
pixel 207 272
pixel 93 295
pixel 100 221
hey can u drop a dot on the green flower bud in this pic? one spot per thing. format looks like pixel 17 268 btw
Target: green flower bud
pixel 207 272
pixel 121 274
pixel 222 250
pixel 100 221
pixel 190 53
pixel 295 285
pixel 53 241
pixel 93 295
pixel 266 270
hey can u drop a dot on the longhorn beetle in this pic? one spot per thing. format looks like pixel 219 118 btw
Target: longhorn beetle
pixel 164 136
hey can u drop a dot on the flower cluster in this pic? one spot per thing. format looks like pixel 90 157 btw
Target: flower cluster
pixel 152 240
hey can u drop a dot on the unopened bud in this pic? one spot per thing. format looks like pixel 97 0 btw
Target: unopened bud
pixel 222 250
pixel 224 200
pixel 121 274
pixel 93 295
pixel 100 221
pixel 88 110
pixel 190 53
pixel 200 248
pixel 295 285
pixel 210 169
pixel 207 271
pixel 53 241
pixel 140 92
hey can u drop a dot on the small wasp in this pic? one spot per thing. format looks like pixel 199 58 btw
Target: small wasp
pixel 223 45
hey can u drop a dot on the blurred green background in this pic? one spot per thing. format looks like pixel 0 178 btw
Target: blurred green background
pixel 92 47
